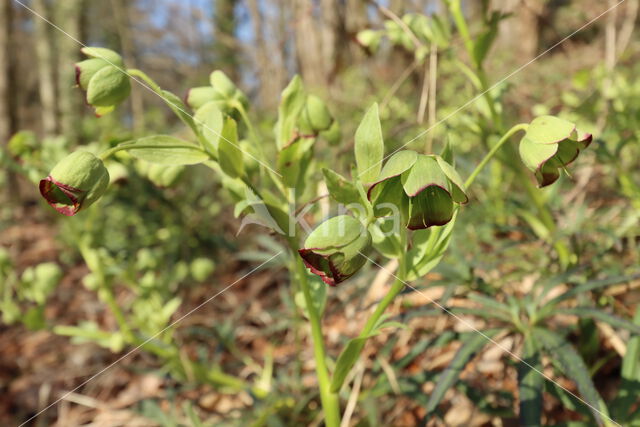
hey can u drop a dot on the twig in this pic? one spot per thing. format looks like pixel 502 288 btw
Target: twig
pixel 424 95
pixel 395 18
pixel 353 398
pixel 433 80
pixel 396 85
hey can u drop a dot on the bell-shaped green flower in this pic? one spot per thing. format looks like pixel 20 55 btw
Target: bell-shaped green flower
pixel 336 249
pixel 549 145
pixel 75 183
pixel 103 78
pixel 421 189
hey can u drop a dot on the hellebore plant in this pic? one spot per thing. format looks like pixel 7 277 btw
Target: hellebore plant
pixel 419 194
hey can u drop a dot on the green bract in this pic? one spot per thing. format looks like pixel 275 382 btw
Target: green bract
pixel 549 145
pixel 421 189
pixel 335 249
pixel 103 79
pixel 75 183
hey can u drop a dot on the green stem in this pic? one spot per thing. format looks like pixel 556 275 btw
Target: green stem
pixel 396 288
pixel 330 402
pixel 493 151
pixel 133 72
pixel 458 17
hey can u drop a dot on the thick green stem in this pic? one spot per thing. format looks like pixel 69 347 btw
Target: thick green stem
pixel 396 288
pixel 493 151
pixel 330 401
pixel 148 80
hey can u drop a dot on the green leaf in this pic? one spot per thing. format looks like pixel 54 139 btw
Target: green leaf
pixel 210 121
pixel 384 240
pixel 484 42
pixel 318 291
pixel 591 286
pixel 340 189
pixel 167 150
pixel 629 389
pixel 345 362
pixel 595 314
pixel 229 153
pixel 631 361
pixel 571 364
pixel 369 146
pixel 291 104
pixel 450 375
pixel 490 304
pixel 177 106
pixel 530 385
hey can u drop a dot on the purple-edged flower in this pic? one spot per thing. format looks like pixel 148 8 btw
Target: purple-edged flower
pixel 549 145
pixel 421 189
pixel 336 249
pixel 75 183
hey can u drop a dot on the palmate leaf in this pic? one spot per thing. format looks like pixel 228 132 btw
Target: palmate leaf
pixel 530 384
pixel 567 359
pixel 602 316
pixel 450 375
pixel 630 386
pixel 592 285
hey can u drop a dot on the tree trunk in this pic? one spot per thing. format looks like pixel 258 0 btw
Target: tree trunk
pixel 308 44
pixel 225 38
pixel 268 59
pixel 68 13
pixel 122 12
pixel 7 116
pixel 520 33
pixel 46 80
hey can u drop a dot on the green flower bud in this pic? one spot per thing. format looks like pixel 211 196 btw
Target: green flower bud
pixel 421 188
pixel 549 145
pixel 334 250
pixel 369 39
pixel 201 268
pixel 226 90
pixel 75 183
pixel 222 84
pixel 318 115
pixel 102 78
